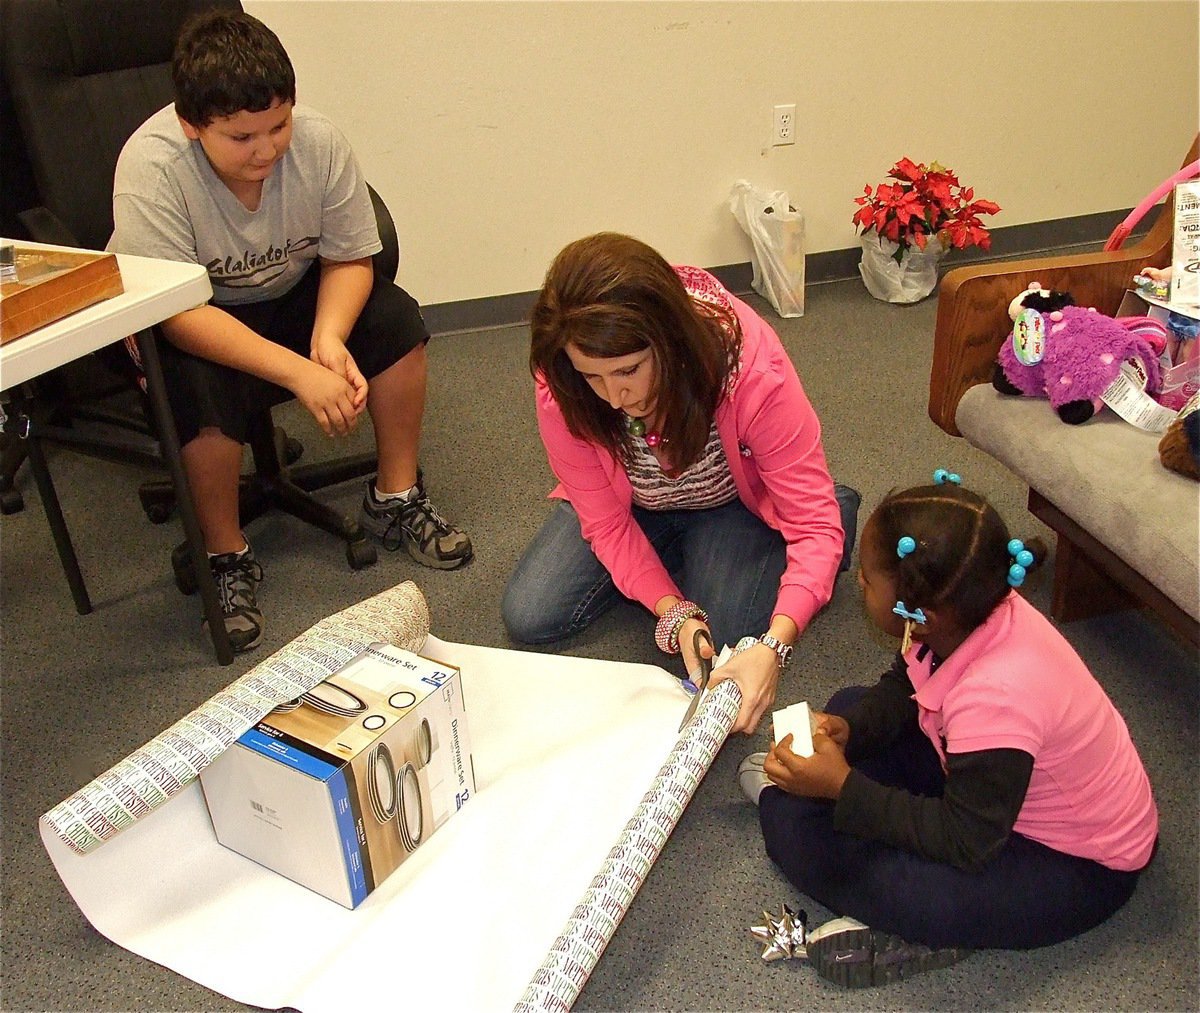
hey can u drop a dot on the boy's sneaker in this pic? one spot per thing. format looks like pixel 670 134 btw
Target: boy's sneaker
pixel 751 778
pixel 237 575
pixel 415 523
pixel 851 954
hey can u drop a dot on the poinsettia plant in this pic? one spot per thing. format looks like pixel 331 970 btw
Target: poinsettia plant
pixel 924 201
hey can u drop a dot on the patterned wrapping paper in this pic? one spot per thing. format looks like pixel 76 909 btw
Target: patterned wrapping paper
pixel 169 762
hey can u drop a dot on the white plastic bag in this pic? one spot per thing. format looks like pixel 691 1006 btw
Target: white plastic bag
pixel 907 281
pixel 776 231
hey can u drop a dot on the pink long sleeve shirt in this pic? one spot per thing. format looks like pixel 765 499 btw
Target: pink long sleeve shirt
pixel 772 440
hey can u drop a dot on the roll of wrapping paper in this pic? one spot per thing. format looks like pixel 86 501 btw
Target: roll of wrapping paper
pixel 556 984
pixel 165 765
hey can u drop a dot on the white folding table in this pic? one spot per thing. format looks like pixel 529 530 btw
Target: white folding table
pixel 154 291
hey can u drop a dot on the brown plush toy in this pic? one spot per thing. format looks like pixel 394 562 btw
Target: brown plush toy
pixel 1179 448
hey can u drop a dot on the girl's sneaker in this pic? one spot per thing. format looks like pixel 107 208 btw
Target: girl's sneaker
pixel 751 778
pixel 849 953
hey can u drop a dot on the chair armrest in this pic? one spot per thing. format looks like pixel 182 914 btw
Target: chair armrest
pixel 387 260
pixel 44 226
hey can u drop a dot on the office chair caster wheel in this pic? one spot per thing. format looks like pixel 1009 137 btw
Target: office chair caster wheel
pixel 360 554
pixel 11 502
pixel 293 450
pixel 155 506
pixel 157 513
pixel 181 564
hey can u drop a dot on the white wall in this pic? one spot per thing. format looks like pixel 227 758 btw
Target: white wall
pixel 498 132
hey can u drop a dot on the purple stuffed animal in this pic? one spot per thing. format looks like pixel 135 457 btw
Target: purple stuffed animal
pixel 1070 354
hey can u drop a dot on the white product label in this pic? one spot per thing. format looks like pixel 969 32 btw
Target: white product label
pixel 1127 396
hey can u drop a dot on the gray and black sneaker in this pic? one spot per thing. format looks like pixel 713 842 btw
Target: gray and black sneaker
pixel 415 524
pixel 237 576
pixel 850 953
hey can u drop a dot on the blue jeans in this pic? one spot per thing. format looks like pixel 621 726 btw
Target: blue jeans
pixel 1028 895
pixel 726 559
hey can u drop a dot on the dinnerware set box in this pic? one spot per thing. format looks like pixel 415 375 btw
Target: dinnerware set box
pixel 336 788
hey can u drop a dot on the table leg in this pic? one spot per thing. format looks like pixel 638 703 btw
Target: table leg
pixel 164 424
pixel 54 514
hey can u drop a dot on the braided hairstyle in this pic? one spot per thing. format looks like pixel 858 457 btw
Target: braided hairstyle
pixel 961 557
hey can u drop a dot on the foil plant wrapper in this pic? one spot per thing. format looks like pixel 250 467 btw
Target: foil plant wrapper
pixel 783 937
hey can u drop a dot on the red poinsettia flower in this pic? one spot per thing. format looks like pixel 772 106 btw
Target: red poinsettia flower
pixel 925 201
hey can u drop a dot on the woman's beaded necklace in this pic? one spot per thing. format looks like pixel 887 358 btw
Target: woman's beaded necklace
pixel 637 427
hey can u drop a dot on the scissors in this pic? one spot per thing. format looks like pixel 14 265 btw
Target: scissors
pixel 701 682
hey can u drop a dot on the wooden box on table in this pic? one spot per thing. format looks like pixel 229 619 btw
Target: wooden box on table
pixel 50 284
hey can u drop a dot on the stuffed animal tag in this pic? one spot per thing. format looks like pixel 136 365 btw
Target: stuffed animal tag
pixel 1029 337
pixel 1127 396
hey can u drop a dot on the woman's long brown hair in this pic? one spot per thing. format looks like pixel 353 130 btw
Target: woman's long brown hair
pixel 610 295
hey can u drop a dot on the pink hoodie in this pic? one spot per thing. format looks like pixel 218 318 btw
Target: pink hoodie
pixel 772 440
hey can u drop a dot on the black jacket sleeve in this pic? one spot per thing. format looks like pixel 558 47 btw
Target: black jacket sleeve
pixel 966 827
pixel 885 710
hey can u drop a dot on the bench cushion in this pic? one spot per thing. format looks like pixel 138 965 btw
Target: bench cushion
pixel 1105 475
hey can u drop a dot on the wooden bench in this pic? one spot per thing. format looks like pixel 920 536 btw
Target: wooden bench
pixel 1127 528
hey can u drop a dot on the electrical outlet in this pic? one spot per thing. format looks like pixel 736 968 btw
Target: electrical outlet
pixel 784 131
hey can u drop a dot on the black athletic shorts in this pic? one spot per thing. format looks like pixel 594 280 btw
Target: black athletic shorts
pixel 205 394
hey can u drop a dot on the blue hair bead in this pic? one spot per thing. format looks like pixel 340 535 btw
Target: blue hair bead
pixel 1022 560
pixel 942 476
pixel 905 546
pixel 1016 549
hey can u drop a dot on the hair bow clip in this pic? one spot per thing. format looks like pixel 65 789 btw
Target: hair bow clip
pixel 942 476
pixel 905 546
pixel 1022 560
pixel 915 616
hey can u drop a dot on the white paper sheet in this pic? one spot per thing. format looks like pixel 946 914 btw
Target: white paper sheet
pixel 796 721
pixel 564 749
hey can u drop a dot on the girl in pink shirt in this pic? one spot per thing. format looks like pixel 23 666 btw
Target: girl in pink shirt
pixel 985 792
pixel 691 473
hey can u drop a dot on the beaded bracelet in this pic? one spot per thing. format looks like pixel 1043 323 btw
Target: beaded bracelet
pixel 666 631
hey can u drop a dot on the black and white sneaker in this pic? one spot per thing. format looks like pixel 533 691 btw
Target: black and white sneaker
pixel 849 953
pixel 415 524
pixel 237 575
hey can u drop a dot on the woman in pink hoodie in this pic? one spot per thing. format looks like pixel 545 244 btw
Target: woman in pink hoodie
pixel 691 473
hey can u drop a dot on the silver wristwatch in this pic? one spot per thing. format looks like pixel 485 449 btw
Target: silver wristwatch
pixel 783 652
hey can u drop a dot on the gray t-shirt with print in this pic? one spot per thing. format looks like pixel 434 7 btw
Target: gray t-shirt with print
pixel 169 203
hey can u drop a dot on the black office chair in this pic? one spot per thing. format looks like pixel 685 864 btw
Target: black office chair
pixel 83 75
pixel 83 405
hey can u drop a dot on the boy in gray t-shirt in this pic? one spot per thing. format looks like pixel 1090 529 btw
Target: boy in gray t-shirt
pixel 268 197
